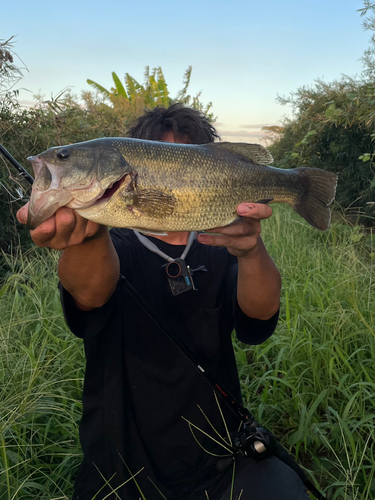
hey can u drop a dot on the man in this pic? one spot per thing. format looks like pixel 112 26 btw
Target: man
pixel 151 425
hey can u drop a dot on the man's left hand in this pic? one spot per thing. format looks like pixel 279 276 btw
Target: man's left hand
pixel 242 236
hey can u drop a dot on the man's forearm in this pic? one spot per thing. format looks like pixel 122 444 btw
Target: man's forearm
pixel 259 284
pixel 90 270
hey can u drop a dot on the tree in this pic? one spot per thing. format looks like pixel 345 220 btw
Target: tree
pixel 333 128
pixel 154 92
pixel 10 187
pixel 10 73
pixel 368 58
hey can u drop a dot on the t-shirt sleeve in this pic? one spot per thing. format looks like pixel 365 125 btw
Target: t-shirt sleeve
pixel 85 324
pixel 251 331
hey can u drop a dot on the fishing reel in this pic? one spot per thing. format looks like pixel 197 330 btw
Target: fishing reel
pixel 255 442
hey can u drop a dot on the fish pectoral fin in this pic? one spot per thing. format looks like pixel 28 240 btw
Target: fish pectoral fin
pixel 150 202
pixel 256 153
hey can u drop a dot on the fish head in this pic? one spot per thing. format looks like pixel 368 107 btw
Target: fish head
pixel 75 176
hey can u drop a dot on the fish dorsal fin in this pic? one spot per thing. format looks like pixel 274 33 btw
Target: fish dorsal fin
pixel 254 152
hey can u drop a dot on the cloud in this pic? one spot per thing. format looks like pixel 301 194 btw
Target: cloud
pixel 257 126
pixel 242 136
pixel 240 133
pixel 26 104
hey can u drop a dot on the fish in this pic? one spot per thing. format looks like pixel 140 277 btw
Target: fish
pixel 160 187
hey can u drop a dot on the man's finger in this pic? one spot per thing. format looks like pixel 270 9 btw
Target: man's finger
pixel 238 243
pixel 65 223
pixel 248 212
pixel 92 228
pixel 242 227
pixel 43 234
pixel 257 211
pixel 22 213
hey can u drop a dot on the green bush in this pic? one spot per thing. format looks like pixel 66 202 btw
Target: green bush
pixel 334 129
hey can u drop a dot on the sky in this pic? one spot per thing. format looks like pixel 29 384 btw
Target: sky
pixel 243 53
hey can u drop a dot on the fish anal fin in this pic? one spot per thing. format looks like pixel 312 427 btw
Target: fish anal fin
pixel 256 153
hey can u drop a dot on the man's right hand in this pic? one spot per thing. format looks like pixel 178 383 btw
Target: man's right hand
pixel 88 265
pixel 64 229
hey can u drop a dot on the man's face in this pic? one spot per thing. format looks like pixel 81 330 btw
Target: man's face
pixel 170 137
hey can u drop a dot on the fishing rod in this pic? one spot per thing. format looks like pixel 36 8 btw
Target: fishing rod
pixel 22 171
pixel 253 440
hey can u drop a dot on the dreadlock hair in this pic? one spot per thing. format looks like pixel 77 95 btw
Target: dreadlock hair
pixel 188 125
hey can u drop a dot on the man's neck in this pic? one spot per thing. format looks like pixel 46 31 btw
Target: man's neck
pixel 174 238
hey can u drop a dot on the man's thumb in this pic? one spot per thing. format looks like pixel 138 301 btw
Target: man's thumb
pixel 22 214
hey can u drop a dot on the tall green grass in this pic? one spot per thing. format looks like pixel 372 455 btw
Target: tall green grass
pixel 41 370
pixel 312 382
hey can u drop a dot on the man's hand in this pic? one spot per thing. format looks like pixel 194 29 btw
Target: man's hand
pixel 64 229
pixel 259 282
pixel 242 237
pixel 89 265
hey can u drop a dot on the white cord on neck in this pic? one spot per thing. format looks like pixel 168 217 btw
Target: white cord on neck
pixel 153 248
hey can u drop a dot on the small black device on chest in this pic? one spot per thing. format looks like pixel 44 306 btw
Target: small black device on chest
pixel 178 273
pixel 179 276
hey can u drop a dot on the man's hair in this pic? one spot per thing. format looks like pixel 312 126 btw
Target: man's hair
pixel 187 124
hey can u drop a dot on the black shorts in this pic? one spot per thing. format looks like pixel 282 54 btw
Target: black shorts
pixel 268 479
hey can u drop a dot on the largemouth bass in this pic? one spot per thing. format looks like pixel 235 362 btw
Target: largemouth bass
pixel 160 187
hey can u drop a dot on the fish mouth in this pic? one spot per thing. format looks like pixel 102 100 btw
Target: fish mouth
pixel 111 190
pixel 46 197
pixel 103 199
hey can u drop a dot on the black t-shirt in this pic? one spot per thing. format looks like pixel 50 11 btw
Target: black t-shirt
pixel 140 391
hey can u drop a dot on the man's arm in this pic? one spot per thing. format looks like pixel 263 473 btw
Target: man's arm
pixel 89 266
pixel 259 281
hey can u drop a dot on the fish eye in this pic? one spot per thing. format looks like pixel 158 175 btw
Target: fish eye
pixel 63 154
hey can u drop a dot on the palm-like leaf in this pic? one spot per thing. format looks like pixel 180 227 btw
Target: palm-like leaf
pixel 120 89
pixel 153 92
pixel 99 88
pixel 162 88
pixel 181 96
pixel 146 77
pixel 133 87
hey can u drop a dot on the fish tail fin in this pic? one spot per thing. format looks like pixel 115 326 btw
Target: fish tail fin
pixel 318 192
